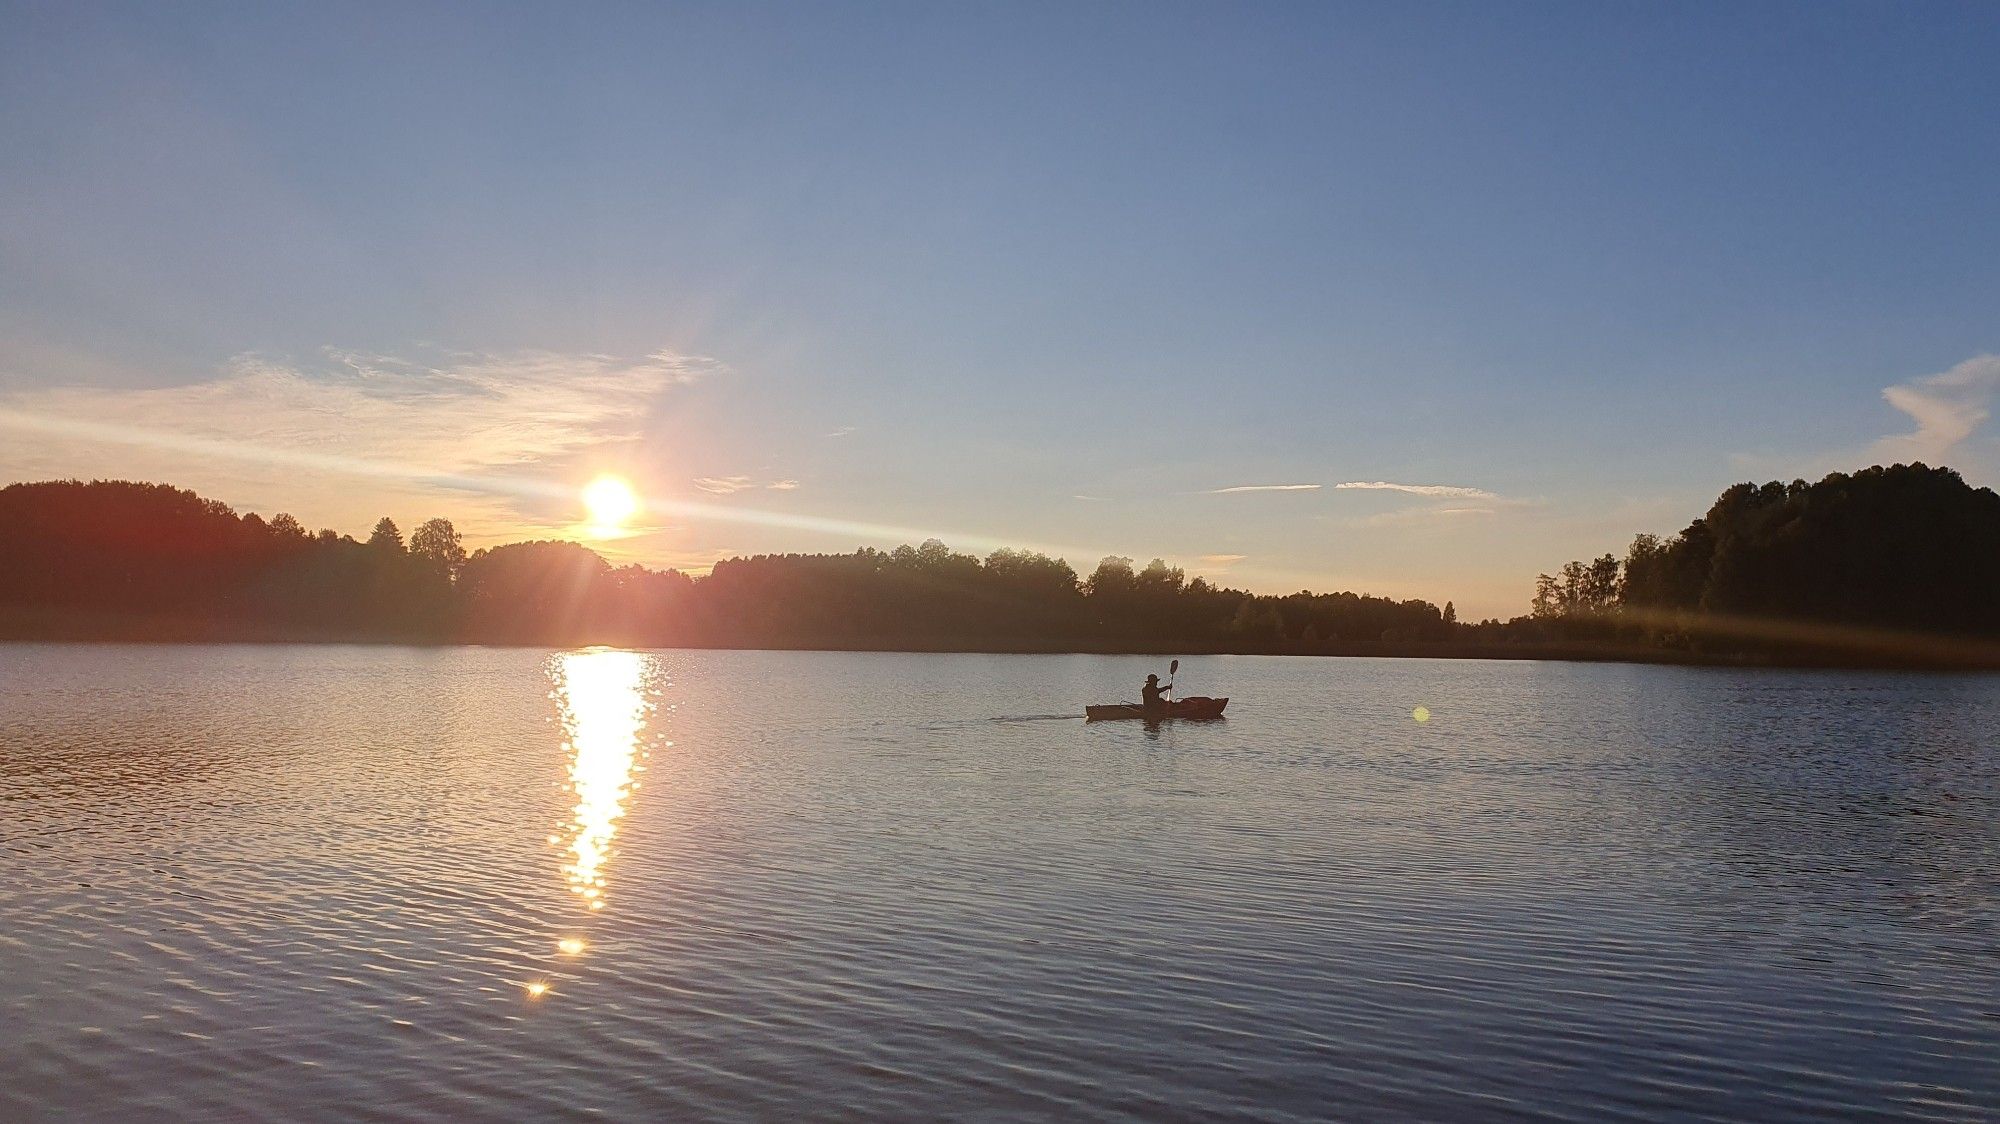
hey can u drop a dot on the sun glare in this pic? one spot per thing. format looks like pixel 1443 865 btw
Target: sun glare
pixel 610 501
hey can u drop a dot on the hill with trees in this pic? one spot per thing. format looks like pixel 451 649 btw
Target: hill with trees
pixel 1903 561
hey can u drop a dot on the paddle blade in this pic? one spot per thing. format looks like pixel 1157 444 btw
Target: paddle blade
pixel 1174 668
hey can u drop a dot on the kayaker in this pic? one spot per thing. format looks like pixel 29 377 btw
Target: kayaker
pixel 1149 695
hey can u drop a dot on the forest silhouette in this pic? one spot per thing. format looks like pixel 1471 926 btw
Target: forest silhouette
pixel 1895 565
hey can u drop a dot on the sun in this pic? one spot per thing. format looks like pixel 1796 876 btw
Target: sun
pixel 610 501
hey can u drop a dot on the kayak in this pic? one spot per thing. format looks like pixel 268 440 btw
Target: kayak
pixel 1196 708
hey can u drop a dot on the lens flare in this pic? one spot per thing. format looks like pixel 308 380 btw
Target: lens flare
pixel 1421 714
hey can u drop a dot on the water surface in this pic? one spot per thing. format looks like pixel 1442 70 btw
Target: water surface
pixel 381 883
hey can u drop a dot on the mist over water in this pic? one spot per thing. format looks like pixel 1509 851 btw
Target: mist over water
pixel 386 883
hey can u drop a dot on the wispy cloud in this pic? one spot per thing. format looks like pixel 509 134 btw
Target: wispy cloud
pixel 842 431
pixel 1451 504
pixel 730 485
pixel 420 424
pixel 1090 499
pixel 1221 561
pixel 1438 491
pixel 1948 407
pixel 1261 488
pixel 724 485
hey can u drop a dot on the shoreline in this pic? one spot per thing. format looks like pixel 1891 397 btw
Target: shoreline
pixel 1552 652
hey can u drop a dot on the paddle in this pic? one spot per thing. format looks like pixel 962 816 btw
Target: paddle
pixel 1173 669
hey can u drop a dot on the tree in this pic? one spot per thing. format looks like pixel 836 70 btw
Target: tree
pixel 1599 592
pixel 1257 625
pixel 557 591
pixel 1450 615
pixel 386 536
pixel 1572 588
pixel 1645 579
pixel 1112 577
pixel 1548 601
pixel 1158 577
pixel 437 543
pixel 286 526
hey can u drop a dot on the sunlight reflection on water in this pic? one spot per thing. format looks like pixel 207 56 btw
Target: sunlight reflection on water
pixel 602 697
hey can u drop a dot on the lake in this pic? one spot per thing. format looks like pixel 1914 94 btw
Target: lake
pixel 391 884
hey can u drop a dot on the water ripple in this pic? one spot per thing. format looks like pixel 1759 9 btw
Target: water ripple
pixel 357 884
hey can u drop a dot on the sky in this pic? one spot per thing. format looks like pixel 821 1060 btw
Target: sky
pixel 1409 299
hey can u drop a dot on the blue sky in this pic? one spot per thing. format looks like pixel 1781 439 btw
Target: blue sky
pixel 1580 266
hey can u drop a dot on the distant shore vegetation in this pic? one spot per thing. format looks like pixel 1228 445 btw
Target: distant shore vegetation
pixel 1887 566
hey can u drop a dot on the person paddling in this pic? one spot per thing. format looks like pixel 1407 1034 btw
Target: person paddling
pixel 1149 696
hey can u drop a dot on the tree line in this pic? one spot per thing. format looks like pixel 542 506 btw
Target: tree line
pixel 1906 556
pixel 1886 565
pixel 122 560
